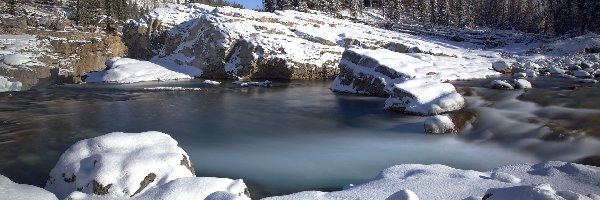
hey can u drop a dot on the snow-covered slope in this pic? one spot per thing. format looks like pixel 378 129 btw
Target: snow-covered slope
pixel 545 181
pixel 12 190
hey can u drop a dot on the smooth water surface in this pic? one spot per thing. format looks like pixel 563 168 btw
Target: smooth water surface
pixel 290 137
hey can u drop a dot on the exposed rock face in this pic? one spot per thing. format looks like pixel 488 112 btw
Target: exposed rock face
pixel 228 42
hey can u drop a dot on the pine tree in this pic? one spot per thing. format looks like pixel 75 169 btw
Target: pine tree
pixel 302 5
pixel 269 5
pixel 284 4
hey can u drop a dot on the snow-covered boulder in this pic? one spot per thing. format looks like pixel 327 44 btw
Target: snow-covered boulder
pixel 127 70
pixel 556 70
pixel 501 66
pixel 6 86
pixel 522 84
pixel 12 190
pixel 373 72
pixel 424 98
pixel 439 124
pixel 119 164
pixel 572 181
pixel 581 74
pixel 501 84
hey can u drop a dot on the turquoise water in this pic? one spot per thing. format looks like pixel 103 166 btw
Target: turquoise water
pixel 290 137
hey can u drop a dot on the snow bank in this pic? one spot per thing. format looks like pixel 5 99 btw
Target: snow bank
pixel 7 86
pixel 557 180
pixel 425 98
pixel 573 45
pixel 119 164
pixel 184 188
pixel 12 190
pixel 127 70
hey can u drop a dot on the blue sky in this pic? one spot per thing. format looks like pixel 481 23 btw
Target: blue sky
pixel 250 4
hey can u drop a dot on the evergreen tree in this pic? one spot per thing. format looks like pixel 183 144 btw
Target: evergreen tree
pixel 269 5
pixel 284 4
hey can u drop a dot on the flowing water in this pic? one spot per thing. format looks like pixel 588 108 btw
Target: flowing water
pixel 290 137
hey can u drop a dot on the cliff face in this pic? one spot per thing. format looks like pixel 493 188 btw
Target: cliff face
pixel 52 49
pixel 228 42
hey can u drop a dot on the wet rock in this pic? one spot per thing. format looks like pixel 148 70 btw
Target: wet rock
pixel 521 84
pixel 556 70
pixel 581 74
pixel 591 160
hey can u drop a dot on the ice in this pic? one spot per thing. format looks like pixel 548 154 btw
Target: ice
pixel 443 182
pixel 127 70
pixel 11 190
pixel 7 86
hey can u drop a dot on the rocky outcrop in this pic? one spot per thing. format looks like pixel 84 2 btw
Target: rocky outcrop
pixel 236 43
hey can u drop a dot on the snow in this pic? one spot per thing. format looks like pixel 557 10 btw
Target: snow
pixel 12 190
pixel 127 70
pixel 6 85
pixel 426 98
pixel 501 84
pixel 172 89
pixel 211 82
pixel 439 124
pixel 121 160
pixel 184 188
pixel 572 45
pixel 566 180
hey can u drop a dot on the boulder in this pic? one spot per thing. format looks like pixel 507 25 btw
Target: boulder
pixel 119 164
pixel 581 74
pixel 424 98
pixel 373 72
pixel 502 67
pixel 501 85
pixel 521 84
pixel 439 124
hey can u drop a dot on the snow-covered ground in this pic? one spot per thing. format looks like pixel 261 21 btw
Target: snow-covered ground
pixel 12 190
pixel 544 181
pixel 127 70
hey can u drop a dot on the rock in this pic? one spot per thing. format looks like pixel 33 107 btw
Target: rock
pixel 531 65
pixel 12 190
pixel 25 72
pixel 531 73
pixel 574 67
pixel 522 84
pixel 502 67
pixel 581 74
pixel 591 161
pixel 403 195
pixel 519 75
pixel 585 65
pixel 365 71
pixel 118 164
pixel 397 47
pixel 501 85
pixel 7 86
pixel 556 70
pixel 424 98
pixel 439 124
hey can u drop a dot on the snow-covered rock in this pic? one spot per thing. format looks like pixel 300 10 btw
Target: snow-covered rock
pixel 556 70
pixel 12 190
pixel 6 86
pixel 572 181
pixel 501 84
pixel 424 98
pixel 581 74
pixel 439 124
pixel 119 164
pixel 522 84
pixel 501 66
pixel 127 70
pixel 228 42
